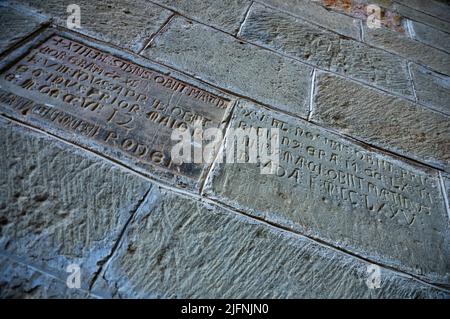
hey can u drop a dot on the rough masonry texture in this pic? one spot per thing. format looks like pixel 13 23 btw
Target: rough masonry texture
pixel 90 117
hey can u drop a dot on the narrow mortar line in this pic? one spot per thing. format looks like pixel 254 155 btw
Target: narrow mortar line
pixel 361 31
pixel 247 13
pixel 154 35
pixel 104 261
pixel 445 195
pixel 218 203
pixel 413 86
pixel 311 97
pixel 219 152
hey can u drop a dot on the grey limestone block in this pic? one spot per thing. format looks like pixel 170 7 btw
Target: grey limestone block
pixel 60 206
pixel 177 247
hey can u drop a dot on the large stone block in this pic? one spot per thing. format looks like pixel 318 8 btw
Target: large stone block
pixel 120 108
pixel 313 12
pixel 233 65
pixel 225 15
pixel 16 25
pixel 432 89
pixel 382 120
pixel 177 247
pixel 60 206
pixel 128 24
pixel 408 48
pixel 339 192
pixel 327 50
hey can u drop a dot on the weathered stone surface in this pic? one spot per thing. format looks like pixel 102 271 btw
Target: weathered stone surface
pixel 58 205
pixel 128 24
pixel 383 120
pixel 315 13
pixel 226 15
pixel 110 105
pixel 237 66
pixel 180 248
pixel 422 17
pixel 20 281
pixel 430 36
pixel 408 48
pixel 331 189
pixel 16 25
pixel 327 50
pixel 360 9
pixel 432 89
pixel 431 7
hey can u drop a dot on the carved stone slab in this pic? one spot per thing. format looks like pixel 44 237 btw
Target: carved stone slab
pixel 109 104
pixel 336 191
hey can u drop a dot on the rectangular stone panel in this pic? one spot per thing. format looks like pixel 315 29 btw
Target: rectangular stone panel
pixel 431 88
pixel 110 105
pixel 383 120
pixel 128 24
pixel 237 66
pixel 339 192
pixel 225 15
pixel 177 247
pixel 314 12
pixel 301 40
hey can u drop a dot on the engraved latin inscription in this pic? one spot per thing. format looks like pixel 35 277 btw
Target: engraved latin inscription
pixel 337 191
pixel 128 108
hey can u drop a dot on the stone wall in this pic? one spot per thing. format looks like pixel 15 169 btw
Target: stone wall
pixel 358 205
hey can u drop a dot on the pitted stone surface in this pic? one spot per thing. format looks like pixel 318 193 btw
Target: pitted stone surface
pixel 233 65
pixel 408 48
pixel 327 50
pixel 128 24
pixel 177 247
pixel 431 36
pixel 225 15
pixel 422 17
pixel 336 191
pixel 431 7
pixel 313 12
pixel 59 206
pixel 383 120
pixel 16 25
pixel 20 281
pixel 432 89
